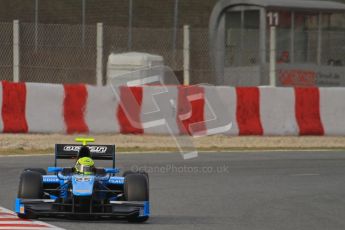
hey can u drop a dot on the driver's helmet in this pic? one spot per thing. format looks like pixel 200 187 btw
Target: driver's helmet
pixel 85 165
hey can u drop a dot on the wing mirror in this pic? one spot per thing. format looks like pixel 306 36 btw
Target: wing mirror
pixel 54 169
pixel 112 170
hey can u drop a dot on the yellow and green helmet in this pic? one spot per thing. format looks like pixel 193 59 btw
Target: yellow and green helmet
pixel 85 165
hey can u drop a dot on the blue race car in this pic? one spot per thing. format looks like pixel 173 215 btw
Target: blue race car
pixel 67 193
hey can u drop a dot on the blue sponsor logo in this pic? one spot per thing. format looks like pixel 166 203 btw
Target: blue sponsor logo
pixel 115 180
pixel 50 179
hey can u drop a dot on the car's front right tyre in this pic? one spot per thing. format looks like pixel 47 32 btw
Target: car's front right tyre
pixel 30 187
pixel 39 170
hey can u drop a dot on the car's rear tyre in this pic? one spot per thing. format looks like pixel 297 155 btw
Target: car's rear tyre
pixel 39 170
pixel 30 187
pixel 136 188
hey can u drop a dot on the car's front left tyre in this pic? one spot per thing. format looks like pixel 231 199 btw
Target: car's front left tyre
pixel 136 188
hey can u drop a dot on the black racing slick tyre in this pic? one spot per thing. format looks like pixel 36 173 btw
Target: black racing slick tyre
pixel 30 187
pixel 146 175
pixel 125 173
pixel 136 188
pixel 39 170
pixel 138 219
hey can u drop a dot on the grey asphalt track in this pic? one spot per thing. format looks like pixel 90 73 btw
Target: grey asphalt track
pixel 261 190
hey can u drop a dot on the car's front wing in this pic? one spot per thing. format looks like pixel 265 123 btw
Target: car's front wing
pixel 51 208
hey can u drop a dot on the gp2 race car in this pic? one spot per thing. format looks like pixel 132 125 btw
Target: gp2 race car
pixel 67 194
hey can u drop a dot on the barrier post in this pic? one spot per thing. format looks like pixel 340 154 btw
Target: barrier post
pixel 273 56
pixel 186 55
pixel 319 39
pixel 99 61
pixel 36 25
pixel 16 51
pixel 273 20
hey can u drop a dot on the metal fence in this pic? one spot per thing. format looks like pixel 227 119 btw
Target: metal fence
pixel 242 48
pixel 58 53
pixel 6 47
pixel 311 58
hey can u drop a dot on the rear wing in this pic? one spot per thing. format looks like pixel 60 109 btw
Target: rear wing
pixel 98 152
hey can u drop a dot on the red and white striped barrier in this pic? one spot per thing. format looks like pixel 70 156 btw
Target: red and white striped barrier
pixel 49 108
pixel 10 221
